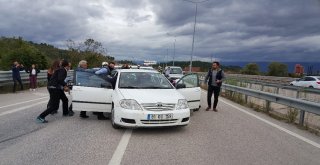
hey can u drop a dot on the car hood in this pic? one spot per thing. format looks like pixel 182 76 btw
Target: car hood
pixel 152 95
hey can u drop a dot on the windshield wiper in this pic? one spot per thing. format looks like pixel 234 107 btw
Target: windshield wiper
pixel 130 87
pixel 154 87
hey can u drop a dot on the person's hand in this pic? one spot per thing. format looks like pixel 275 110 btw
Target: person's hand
pixel 21 65
pixel 218 81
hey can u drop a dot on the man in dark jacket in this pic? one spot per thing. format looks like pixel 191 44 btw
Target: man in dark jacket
pixel 56 87
pixel 214 78
pixel 16 68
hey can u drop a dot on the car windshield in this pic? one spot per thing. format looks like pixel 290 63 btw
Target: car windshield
pixel 176 71
pixel 143 80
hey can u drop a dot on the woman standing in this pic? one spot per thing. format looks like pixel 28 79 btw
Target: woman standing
pixel 33 73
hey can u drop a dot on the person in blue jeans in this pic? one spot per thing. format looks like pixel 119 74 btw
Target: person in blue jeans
pixel 16 68
pixel 214 79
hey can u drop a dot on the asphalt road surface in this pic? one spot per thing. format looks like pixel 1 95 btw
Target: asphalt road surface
pixel 233 135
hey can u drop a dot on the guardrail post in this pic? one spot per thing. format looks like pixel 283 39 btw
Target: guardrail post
pixel 246 99
pixel 262 87
pixel 268 106
pixel 301 120
pixel 277 90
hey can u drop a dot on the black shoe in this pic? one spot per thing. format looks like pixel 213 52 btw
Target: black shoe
pixel 101 117
pixel 71 113
pixel 84 116
pixel 95 113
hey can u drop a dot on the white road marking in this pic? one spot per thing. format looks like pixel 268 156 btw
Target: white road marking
pixel 22 108
pixel 273 125
pixel 119 152
pixel 24 102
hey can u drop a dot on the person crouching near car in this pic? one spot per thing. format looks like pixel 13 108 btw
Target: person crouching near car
pixel 56 86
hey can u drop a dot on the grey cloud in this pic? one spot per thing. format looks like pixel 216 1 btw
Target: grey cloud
pixel 285 30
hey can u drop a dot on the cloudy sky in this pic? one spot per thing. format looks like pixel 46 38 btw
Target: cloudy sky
pixel 228 30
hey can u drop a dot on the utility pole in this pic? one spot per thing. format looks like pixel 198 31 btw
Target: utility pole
pixel 167 56
pixel 194 28
pixel 174 50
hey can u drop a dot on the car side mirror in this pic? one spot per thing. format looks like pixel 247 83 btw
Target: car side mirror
pixel 106 85
pixel 179 86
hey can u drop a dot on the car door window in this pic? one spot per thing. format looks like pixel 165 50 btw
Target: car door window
pixel 309 79
pixel 190 81
pixel 88 79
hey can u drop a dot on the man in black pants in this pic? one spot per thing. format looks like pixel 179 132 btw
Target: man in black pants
pixel 16 68
pixel 214 78
pixel 56 87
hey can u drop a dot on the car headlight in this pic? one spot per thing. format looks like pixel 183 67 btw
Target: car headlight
pixel 130 104
pixel 182 104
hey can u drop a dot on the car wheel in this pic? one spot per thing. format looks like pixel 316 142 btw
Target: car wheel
pixel 291 84
pixel 114 125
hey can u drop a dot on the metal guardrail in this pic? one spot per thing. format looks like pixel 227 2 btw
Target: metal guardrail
pixel 6 77
pixel 302 105
pixel 276 85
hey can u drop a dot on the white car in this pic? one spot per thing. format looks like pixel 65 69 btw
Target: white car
pixel 175 72
pixel 308 81
pixel 140 98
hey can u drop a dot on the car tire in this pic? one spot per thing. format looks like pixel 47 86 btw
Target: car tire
pixel 114 125
pixel 291 84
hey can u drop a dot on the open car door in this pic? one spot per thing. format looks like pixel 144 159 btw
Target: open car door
pixel 189 87
pixel 91 92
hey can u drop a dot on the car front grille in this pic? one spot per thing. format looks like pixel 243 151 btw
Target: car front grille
pixel 158 107
pixel 159 121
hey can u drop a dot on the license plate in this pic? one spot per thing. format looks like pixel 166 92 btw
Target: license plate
pixel 160 116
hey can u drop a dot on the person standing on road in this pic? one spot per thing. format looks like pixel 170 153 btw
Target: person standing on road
pixel 167 72
pixel 56 87
pixel 82 66
pixel 16 68
pixel 214 79
pixel 33 73
pixel 55 66
pixel 105 72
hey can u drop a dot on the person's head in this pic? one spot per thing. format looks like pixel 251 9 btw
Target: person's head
pixel 70 65
pixel 83 64
pixel 15 63
pixel 55 65
pixel 33 66
pixel 104 64
pixel 215 65
pixel 112 64
pixel 65 64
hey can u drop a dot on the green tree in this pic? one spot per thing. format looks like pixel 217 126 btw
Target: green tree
pixel 23 52
pixel 90 50
pixel 251 69
pixel 277 69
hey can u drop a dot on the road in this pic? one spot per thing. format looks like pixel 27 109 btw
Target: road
pixel 234 135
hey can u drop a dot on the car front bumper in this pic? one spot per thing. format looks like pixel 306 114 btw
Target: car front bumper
pixel 141 118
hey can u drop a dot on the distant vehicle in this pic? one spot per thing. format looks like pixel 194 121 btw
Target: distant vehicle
pixel 140 98
pixel 175 72
pixel 308 81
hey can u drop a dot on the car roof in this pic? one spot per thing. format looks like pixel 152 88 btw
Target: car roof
pixel 318 77
pixel 137 70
